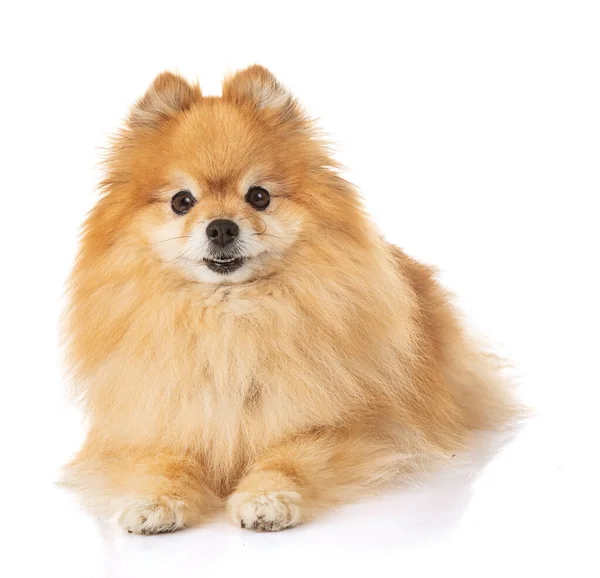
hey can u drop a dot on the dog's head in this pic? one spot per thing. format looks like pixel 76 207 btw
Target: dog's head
pixel 221 189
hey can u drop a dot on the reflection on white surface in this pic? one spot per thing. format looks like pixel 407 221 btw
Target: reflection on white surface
pixel 392 528
pixel 377 528
pixel 498 514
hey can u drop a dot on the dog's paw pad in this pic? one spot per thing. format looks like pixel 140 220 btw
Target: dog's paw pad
pixel 267 511
pixel 152 516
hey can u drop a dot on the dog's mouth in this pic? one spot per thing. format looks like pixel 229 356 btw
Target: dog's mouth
pixel 224 265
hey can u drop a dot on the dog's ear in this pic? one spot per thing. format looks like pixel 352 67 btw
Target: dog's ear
pixel 168 95
pixel 257 88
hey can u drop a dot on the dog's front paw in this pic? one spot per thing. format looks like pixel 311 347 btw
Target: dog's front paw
pixel 152 516
pixel 266 511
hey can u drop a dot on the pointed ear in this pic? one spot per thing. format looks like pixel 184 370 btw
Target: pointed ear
pixel 257 88
pixel 168 95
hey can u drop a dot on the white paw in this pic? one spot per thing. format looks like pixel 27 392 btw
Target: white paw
pixel 151 516
pixel 268 511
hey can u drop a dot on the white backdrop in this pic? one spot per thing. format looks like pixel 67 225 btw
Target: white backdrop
pixel 472 130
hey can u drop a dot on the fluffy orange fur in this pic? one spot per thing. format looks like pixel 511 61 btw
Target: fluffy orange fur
pixel 332 365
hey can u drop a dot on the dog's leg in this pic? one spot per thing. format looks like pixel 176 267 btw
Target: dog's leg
pixel 146 492
pixel 290 481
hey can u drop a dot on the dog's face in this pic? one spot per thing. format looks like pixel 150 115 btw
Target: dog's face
pixel 222 186
pixel 224 213
pixel 224 232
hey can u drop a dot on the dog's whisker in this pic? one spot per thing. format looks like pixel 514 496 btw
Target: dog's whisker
pixel 171 239
pixel 265 227
pixel 180 256
pixel 261 220
pixel 266 235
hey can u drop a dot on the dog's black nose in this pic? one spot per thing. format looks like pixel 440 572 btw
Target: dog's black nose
pixel 222 231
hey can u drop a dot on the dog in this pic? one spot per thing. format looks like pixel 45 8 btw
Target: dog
pixel 239 333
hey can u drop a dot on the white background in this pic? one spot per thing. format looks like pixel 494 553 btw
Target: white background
pixel 472 130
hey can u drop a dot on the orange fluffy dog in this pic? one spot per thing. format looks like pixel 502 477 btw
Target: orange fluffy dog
pixel 240 332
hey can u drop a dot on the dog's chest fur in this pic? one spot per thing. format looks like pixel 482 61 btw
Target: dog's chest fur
pixel 222 378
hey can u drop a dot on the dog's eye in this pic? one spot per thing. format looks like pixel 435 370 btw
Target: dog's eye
pixel 182 202
pixel 258 197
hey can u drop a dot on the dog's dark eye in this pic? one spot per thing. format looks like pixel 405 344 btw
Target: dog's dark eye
pixel 182 202
pixel 258 197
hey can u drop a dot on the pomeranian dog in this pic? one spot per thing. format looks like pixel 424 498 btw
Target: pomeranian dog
pixel 240 334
